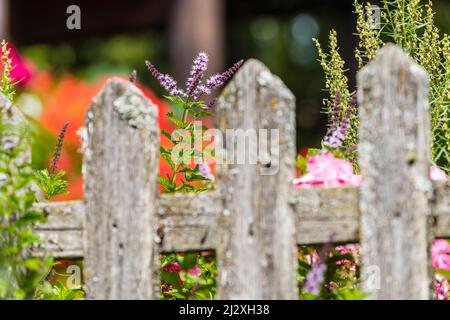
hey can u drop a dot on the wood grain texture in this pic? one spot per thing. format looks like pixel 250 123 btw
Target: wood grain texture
pixel 326 214
pixel 62 233
pixel 256 249
pixel 188 221
pixel 394 156
pixel 120 167
pixel 441 209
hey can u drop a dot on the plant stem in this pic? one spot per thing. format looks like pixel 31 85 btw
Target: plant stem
pixel 185 115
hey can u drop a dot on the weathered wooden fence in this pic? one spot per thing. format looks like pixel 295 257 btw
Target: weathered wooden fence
pixel 254 221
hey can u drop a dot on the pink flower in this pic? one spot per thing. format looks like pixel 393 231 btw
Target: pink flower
pixel 195 271
pixel 326 170
pixel 172 267
pixel 441 288
pixel 354 250
pixel 437 174
pixel 175 267
pixel 440 253
pixel 313 258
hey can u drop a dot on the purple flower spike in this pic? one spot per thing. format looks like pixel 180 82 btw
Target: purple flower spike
pixel 165 80
pixel 212 103
pixel 195 87
pixel 337 130
pixel 198 68
pixel 58 148
pixel 218 80
pixel 315 278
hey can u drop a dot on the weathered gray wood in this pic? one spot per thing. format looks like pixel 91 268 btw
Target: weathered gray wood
pixel 252 218
pixel 62 233
pixel 394 157
pixel 441 209
pixel 121 153
pixel 256 248
pixel 326 214
pixel 188 221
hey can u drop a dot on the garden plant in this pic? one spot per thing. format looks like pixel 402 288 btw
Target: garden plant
pixel 329 271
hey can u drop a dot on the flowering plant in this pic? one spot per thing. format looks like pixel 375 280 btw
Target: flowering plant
pixel 20 273
pixel 188 128
pixel 52 183
pixel 411 26
pixel 188 276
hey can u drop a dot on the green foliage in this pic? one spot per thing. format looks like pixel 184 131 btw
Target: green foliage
pixel 19 272
pixel 180 155
pixel 46 291
pixel 51 184
pixel 7 85
pixel 410 25
pixel 184 285
pixel 341 279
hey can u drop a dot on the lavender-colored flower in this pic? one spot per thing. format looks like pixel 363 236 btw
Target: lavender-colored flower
pixel 205 171
pixel 165 80
pixel 218 80
pixel 212 103
pixel 195 87
pixel 58 147
pixel 337 130
pixel 197 71
pixel 315 278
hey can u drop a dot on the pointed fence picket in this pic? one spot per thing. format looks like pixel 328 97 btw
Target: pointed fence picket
pixel 255 217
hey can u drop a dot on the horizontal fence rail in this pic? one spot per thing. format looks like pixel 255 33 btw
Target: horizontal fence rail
pixel 255 221
pixel 189 222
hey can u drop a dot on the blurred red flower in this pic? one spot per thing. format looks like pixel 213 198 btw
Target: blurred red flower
pixel 67 99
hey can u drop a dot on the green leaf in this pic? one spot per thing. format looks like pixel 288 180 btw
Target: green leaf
pixel 171 278
pixel 199 114
pixel 176 100
pixel 188 260
pixel 169 160
pixel 196 177
pixel 445 273
pixel 177 122
pixel 166 183
pixel 167 134
pixel 163 150
pixel 198 105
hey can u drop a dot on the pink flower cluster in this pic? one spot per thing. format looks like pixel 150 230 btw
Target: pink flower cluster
pixel 441 288
pixel 441 254
pixel 326 170
pixel 175 267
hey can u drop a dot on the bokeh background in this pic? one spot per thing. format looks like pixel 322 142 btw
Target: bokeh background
pixel 61 70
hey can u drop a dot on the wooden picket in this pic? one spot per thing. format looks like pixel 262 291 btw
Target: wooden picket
pixel 254 221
